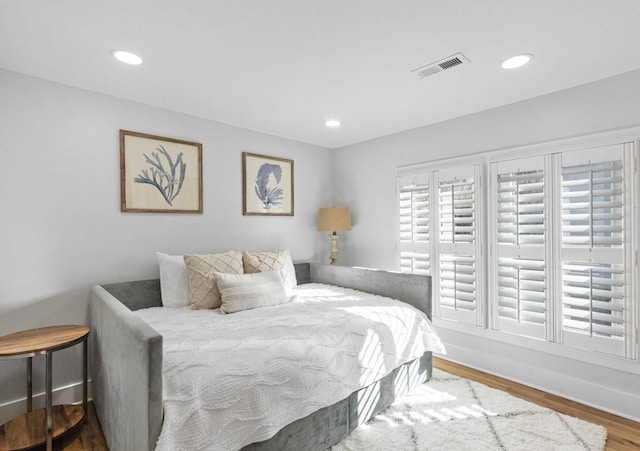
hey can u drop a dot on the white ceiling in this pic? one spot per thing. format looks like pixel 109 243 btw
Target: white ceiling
pixel 285 66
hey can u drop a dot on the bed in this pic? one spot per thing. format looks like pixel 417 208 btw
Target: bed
pixel 126 356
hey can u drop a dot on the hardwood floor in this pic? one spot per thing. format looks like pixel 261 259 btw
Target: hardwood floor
pixel 623 434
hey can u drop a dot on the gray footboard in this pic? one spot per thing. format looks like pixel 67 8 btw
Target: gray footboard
pixel 126 363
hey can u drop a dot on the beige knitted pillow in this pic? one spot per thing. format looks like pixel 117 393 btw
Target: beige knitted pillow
pixel 269 261
pixel 203 289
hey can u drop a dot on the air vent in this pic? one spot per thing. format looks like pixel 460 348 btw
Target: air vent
pixel 442 65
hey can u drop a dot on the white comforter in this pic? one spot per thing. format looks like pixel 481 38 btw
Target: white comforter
pixel 231 380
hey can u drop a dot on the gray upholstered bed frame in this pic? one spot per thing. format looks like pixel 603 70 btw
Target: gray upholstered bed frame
pixel 126 363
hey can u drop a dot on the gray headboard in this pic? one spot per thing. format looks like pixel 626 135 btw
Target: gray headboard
pixel 409 288
pixel 146 293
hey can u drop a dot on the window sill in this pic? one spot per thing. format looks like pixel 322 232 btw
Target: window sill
pixel 557 349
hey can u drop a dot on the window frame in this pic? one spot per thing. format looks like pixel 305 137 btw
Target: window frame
pixel 474 170
pixel 552 343
pixel 433 170
pixel 413 246
pixel 519 251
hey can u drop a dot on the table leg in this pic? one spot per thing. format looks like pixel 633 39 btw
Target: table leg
pixel 84 378
pixel 48 390
pixel 29 384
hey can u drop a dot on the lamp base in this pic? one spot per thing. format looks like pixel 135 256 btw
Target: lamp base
pixel 334 248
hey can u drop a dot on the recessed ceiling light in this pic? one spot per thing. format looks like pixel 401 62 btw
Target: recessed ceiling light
pixel 516 61
pixel 126 57
pixel 332 123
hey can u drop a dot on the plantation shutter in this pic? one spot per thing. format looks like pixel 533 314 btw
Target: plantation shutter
pixel 458 281
pixel 594 301
pixel 414 223
pixel 518 279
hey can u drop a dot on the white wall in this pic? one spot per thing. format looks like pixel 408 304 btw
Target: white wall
pixel 364 181
pixel 61 228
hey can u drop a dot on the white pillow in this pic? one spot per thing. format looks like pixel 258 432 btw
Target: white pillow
pixel 248 291
pixel 174 282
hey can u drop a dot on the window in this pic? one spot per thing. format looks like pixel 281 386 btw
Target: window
pixel 520 246
pixel 594 304
pixel 437 228
pixel 457 285
pixel 561 236
pixel 414 220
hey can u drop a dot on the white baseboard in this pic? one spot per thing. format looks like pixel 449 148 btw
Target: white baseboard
pixel 71 394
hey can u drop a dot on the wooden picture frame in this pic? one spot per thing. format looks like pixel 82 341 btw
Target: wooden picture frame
pixel 159 175
pixel 267 185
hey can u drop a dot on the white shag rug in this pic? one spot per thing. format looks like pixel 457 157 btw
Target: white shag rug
pixel 453 413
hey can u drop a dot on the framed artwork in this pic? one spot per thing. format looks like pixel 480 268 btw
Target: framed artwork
pixel 159 175
pixel 267 185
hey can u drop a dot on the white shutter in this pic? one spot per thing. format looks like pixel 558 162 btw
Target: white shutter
pixel 521 212
pixel 458 279
pixel 457 210
pixel 593 299
pixel 458 282
pixel 521 290
pixel 518 276
pixel 592 204
pixel 593 249
pixel 414 224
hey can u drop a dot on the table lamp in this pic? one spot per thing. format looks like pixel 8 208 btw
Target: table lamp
pixel 334 220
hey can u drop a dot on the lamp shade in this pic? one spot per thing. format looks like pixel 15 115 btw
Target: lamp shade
pixel 333 219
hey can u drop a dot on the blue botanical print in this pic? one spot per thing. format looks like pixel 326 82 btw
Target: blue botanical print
pixel 168 181
pixel 269 196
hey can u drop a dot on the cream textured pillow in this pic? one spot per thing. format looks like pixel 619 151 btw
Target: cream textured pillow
pixel 249 291
pixel 203 290
pixel 269 261
pixel 174 281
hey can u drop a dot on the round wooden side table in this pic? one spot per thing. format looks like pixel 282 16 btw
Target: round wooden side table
pixel 27 431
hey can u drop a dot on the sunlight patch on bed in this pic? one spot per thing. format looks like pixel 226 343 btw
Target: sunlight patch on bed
pixel 367 400
pixel 371 356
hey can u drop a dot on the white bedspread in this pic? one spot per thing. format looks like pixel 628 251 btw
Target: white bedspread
pixel 231 380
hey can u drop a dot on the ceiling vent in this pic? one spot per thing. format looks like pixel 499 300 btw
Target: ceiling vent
pixel 442 65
